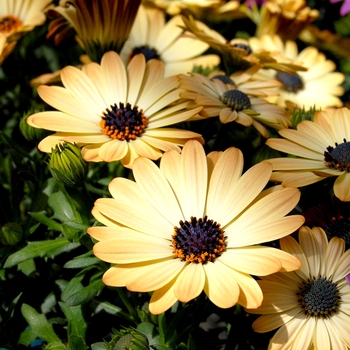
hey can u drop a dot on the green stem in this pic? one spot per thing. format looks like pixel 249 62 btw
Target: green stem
pixel 128 305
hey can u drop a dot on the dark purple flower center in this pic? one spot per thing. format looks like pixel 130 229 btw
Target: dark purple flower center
pixel 291 82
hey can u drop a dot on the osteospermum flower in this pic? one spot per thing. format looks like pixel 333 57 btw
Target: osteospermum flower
pixel 155 38
pixel 115 113
pixel 194 224
pixel 100 26
pixel 318 86
pixel 16 18
pixel 224 100
pixel 321 149
pixel 287 18
pixel 309 306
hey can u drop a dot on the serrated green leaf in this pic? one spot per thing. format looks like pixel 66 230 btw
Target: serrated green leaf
pixel 39 324
pixel 42 218
pixel 81 262
pixel 36 249
pixel 76 323
pixel 26 337
pixel 76 342
pixel 55 346
pixel 86 294
pixel 73 287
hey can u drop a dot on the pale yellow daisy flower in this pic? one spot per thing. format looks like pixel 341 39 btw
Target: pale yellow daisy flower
pixel 229 103
pixel 196 223
pixel 152 36
pixel 321 148
pixel 319 85
pixel 16 18
pixel 115 113
pixel 310 306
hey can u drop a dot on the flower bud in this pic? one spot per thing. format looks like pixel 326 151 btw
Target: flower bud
pixel 67 165
pixel 11 233
pixel 30 133
pixel 299 115
pixel 129 339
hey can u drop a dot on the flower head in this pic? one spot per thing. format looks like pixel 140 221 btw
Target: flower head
pixel 115 113
pixel 155 38
pixel 101 26
pixel 194 224
pixel 309 306
pixel 16 18
pixel 322 150
pixel 224 100
pixel 319 85
pixel 287 18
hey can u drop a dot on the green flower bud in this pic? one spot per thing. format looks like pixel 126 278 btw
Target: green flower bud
pixel 128 339
pixel 11 233
pixel 67 164
pixel 30 133
pixel 299 115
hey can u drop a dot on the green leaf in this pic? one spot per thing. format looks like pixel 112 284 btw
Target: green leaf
pixel 27 267
pixel 63 207
pixel 76 325
pixel 81 262
pixel 98 346
pixel 150 331
pixel 39 324
pixel 73 287
pixel 42 218
pixel 35 249
pixel 55 346
pixel 26 337
pixel 86 293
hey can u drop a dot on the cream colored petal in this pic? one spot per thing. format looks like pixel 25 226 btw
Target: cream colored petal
pixel 285 336
pixel 251 260
pixel 303 339
pixel 290 147
pixel 250 293
pixel 58 121
pixel 222 291
pixel 341 324
pixel 184 49
pixel 113 150
pixel 296 164
pixel 132 248
pixel 90 153
pixel 262 233
pixel 154 275
pixel 224 177
pixel 334 251
pixel 156 23
pixel 268 210
pixel 129 158
pixel 296 178
pixel 342 187
pixel 267 323
pixel 114 76
pixel 343 266
pixel 160 102
pixel 227 115
pixel 136 216
pixel 190 282
pixel 173 118
pixel 178 67
pixel 117 276
pixel 337 335
pixel 135 73
pixel 311 251
pixel 341 124
pixel 291 246
pixel 62 100
pixel 102 233
pixel 194 175
pixel 320 337
pixel 156 189
pixel 143 149
pixel 320 136
pixel 82 88
pixel 241 194
pixel 152 81
pixel 163 145
pixel 163 299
